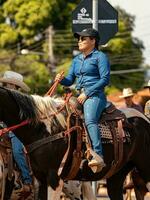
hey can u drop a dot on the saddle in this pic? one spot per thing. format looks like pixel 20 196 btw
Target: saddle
pixel 111 125
pixel 111 118
pixel 111 113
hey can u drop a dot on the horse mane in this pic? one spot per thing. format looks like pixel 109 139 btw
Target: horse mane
pixel 26 104
pixel 39 108
pixel 47 110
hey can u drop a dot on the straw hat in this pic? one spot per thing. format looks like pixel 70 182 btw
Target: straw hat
pixel 127 92
pixel 148 85
pixel 14 78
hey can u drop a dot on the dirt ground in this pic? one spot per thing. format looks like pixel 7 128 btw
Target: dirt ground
pixel 17 195
pixel 101 195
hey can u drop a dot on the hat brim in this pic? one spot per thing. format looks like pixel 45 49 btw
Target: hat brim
pixel 124 96
pixel 78 34
pixel 18 83
pixel 147 86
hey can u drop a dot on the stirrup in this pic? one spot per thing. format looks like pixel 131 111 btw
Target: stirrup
pixel 96 165
pixel 97 169
pixel 96 162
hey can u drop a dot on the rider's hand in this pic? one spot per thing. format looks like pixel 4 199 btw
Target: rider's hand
pixel 59 77
pixel 81 99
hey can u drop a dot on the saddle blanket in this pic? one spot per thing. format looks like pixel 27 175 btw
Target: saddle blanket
pixel 106 134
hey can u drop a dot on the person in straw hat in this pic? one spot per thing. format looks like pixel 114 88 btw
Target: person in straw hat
pixel 128 94
pixel 147 105
pixel 13 80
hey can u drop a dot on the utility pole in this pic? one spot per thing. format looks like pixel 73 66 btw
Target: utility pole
pixel 51 59
pixel 95 14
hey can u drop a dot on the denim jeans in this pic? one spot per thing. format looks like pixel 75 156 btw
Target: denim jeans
pixel 19 157
pixel 93 108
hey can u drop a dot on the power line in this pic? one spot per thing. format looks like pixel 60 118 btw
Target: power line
pixel 128 71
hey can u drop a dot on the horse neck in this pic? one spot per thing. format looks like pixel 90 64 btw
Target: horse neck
pixel 9 114
pixel 8 108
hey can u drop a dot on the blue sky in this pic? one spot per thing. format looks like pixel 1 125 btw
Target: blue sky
pixel 141 10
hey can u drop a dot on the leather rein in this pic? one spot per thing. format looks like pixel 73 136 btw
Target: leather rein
pixel 11 128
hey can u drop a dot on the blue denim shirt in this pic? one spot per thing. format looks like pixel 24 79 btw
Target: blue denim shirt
pixel 92 73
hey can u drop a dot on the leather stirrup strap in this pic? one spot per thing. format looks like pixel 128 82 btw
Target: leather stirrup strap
pixel 118 150
pixel 61 167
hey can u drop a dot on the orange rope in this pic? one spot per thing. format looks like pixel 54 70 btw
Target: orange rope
pixel 54 86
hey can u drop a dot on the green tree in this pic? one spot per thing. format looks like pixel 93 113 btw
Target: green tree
pixel 29 17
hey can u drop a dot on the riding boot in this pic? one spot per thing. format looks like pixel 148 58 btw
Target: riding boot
pixel 96 163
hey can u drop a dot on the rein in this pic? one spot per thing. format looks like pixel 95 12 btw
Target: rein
pixel 61 108
pixel 11 128
pixel 54 86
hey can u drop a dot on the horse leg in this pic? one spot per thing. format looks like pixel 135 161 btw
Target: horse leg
pixel 42 193
pixel 35 188
pixel 55 194
pixel 73 190
pixel 148 186
pixel 139 185
pixel 9 185
pixel 87 191
pixel 127 187
pixel 139 194
pixel 115 184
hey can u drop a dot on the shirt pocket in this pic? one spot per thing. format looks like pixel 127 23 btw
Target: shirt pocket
pixel 93 61
pixel 92 66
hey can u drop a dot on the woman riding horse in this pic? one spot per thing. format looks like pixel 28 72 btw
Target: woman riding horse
pixel 91 71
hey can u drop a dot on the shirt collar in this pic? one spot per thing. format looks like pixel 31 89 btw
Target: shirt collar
pixel 93 51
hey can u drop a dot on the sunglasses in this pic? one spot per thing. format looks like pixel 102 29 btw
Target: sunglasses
pixel 82 38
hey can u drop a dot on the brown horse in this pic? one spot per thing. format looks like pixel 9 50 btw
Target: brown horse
pixel 46 137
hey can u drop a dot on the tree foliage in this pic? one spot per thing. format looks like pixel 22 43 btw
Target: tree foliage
pixel 28 17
